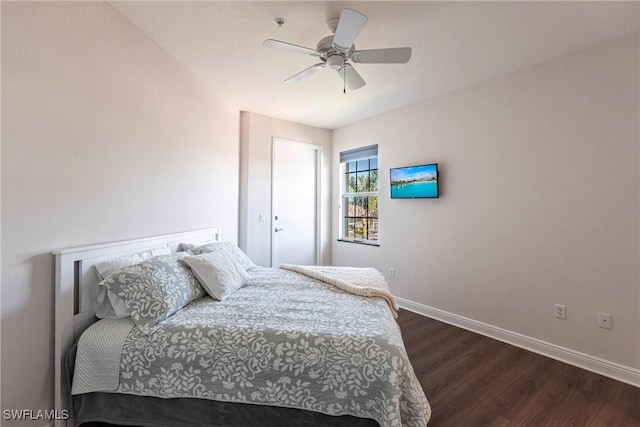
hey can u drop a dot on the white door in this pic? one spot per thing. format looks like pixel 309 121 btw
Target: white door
pixel 295 203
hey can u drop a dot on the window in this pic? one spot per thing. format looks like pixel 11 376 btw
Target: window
pixel 359 183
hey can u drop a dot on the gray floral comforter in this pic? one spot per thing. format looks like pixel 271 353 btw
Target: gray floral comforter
pixel 283 340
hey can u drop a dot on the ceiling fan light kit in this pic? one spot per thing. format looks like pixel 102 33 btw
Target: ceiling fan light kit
pixel 337 50
pixel 335 62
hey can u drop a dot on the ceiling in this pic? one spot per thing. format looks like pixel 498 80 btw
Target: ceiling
pixel 455 44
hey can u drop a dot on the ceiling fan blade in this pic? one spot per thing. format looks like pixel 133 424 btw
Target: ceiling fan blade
pixel 305 73
pixel 395 55
pixel 277 44
pixel 349 26
pixel 352 80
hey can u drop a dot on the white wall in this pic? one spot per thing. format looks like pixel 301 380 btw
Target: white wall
pixel 105 137
pixel 539 201
pixel 257 133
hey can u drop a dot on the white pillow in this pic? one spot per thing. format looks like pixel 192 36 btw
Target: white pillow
pixel 111 305
pixel 105 268
pixel 218 273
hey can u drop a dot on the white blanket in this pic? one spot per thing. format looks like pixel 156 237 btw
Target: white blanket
pixel 366 282
pixel 97 366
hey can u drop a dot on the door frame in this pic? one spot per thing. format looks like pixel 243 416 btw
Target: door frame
pixel 275 141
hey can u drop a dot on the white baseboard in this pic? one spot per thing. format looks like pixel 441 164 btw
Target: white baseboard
pixel 600 366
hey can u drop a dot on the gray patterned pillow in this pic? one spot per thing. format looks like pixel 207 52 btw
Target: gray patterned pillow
pixel 231 248
pixel 155 289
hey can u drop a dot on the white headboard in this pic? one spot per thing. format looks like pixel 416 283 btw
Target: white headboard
pixel 76 285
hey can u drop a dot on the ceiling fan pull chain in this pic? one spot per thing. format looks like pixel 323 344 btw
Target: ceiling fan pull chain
pixel 344 80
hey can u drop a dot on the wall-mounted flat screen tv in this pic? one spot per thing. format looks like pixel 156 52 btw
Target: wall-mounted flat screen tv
pixel 415 182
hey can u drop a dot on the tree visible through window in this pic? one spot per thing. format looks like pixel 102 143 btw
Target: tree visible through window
pixel 360 196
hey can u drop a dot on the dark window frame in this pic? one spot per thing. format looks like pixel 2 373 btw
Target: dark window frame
pixel 366 221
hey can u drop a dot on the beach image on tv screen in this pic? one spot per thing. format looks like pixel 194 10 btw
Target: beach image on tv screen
pixel 414 182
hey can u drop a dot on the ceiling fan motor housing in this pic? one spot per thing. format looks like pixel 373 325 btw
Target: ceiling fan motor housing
pixel 326 49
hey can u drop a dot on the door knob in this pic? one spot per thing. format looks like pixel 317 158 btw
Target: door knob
pixel 278 229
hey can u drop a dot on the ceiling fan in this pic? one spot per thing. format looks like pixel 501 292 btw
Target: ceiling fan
pixel 338 51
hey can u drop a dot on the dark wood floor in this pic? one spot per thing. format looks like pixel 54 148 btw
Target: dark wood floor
pixel 471 380
pixel 475 381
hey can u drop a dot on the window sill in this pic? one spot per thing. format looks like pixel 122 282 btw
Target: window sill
pixel 359 242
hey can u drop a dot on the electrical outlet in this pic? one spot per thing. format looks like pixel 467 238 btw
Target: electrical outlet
pixel 604 320
pixel 561 311
pixel 392 272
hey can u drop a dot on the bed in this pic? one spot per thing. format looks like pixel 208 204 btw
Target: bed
pixel 287 348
